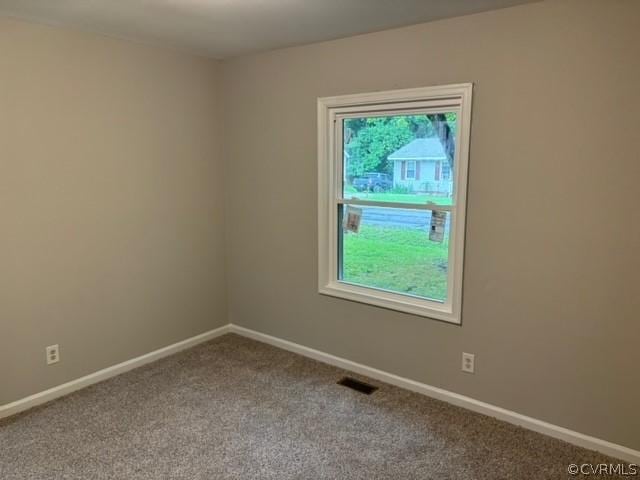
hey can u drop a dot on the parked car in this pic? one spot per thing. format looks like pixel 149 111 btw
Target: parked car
pixel 373 182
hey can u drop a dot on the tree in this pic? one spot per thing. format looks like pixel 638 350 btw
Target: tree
pixel 369 141
pixel 444 125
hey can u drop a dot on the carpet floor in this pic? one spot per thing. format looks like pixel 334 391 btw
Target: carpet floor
pixel 234 408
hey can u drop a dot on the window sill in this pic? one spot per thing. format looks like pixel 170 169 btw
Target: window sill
pixel 391 301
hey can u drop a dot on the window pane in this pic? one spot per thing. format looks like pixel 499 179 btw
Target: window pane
pixel 391 249
pixel 400 158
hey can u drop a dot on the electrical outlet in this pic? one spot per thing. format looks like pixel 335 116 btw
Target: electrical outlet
pixel 468 362
pixel 53 354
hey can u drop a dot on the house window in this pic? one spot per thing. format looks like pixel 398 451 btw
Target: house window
pixel 411 170
pixel 446 171
pixel 384 241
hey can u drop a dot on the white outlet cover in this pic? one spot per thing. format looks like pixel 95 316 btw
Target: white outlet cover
pixel 53 354
pixel 468 362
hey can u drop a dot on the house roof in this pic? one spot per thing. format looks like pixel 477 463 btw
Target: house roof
pixel 428 148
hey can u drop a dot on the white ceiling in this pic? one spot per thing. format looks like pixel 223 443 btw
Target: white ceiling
pixel 227 28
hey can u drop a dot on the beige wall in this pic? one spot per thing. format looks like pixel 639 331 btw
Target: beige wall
pixel 111 205
pixel 551 292
pixel 111 238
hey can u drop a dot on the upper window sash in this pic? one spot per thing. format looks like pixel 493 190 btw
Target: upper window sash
pixel 338 115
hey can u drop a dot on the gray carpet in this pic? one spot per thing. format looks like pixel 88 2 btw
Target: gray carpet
pixel 234 408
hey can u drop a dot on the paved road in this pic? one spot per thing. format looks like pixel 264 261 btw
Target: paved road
pixel 388 217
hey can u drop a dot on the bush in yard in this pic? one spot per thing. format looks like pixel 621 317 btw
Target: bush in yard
pixel 401 189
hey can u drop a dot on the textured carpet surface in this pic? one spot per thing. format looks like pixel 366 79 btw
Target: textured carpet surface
pixel 234 408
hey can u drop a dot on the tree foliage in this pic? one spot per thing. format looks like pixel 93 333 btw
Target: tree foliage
pixel 369 141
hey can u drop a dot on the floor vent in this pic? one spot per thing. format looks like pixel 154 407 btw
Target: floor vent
pixel 357 385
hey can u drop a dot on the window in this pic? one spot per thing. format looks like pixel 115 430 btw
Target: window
pixel 446 171
pixel 411 170
pixel 385 240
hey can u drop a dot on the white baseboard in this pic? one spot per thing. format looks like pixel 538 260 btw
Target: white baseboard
pixel 570 436
pixel 555 431
pixel 69 387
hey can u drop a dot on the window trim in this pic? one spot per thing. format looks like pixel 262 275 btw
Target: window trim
pixel 431 99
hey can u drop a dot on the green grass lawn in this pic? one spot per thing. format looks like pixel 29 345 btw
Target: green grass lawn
pixel 398 259
pixel 413 198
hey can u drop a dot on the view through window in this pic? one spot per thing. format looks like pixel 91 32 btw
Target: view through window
pixel 397 159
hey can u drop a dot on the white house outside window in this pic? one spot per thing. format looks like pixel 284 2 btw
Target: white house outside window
pixel 392 196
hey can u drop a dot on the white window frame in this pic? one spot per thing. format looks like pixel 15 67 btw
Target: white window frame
pixel 415 169
pixel 428 100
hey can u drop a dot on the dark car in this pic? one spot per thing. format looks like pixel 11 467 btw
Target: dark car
pixel 373 182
